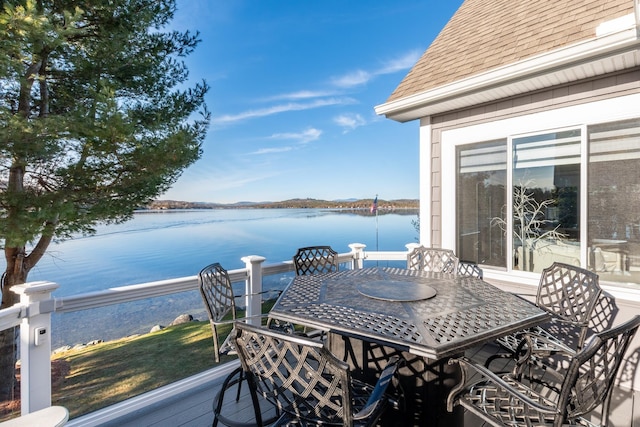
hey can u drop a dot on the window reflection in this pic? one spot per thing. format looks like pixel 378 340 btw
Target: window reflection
pixel 546 179
pixel 545 221
pixel 482 172
pixel 614 201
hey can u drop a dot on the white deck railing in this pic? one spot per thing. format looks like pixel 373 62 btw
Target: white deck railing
pixel 33 312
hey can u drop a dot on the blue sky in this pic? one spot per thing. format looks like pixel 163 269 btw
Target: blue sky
pixel 293 90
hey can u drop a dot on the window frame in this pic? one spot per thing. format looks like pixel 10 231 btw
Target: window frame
pixel 566 118
pixel 583 213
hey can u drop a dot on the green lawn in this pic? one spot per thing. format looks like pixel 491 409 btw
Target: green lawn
pixel 85 380
pixel 110 372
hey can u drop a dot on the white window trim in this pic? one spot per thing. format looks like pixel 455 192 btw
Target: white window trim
pixel 425 181
pixel 582 115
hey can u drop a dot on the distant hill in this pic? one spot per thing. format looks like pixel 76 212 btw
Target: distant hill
pixel 352 204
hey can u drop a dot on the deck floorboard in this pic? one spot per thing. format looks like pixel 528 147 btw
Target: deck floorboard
pixel 193 408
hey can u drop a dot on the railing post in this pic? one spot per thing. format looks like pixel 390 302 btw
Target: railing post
pixel 412 246
pixel 253 286
pixel 357 249
pixel 35 345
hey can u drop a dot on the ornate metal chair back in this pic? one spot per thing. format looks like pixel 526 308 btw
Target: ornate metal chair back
pixel 591 375
pixel 297 375
pixel 432 259
pixel 306 382
pixel 315 260
pixel 570 293
pixel 468 268
pixel 586 384
pixel 217 294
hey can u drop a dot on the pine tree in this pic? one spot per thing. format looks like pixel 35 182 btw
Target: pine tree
pixel 95 121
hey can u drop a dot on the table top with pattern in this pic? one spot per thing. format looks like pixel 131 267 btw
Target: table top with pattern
pixel 465 311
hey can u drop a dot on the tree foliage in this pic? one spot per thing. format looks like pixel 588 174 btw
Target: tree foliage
pixel 95 119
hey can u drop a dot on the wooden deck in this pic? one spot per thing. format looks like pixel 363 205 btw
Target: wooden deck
pixel 191 405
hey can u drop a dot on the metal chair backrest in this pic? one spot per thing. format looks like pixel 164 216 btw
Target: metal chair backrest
pixel 470 269
pixel 591 374
pixel 217 294
pixel 315 260
pixel 571 294
pixel 298 375
pixel 586 382
pixel 432 259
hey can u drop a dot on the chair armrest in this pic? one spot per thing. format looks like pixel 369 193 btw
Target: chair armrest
pixel 515 389
pixel 535 344
pixel 541 341
pixel 378 394
pixel 278 292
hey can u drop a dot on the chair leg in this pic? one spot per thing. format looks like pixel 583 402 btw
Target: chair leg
pixel 236 377
pixel 240 385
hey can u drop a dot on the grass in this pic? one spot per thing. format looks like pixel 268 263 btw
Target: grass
pixel 85 380
pixel 104 374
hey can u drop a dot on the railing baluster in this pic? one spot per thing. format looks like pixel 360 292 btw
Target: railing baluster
pixel 35 345
pixel 253 287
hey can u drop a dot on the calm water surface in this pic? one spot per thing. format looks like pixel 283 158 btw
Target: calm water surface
pixel 163 245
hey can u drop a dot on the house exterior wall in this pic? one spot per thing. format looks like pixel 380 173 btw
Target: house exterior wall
pixel 581 92
pixel 593 92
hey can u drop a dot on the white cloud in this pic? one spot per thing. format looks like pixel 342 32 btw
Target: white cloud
pixel 271 150
pixel 219 181
pixel 349 121
pixel 300 138
pixel 354 78
pixel 277 109
pixel 304 137
pixel 404 62
pixel 361 77
pixel 302 94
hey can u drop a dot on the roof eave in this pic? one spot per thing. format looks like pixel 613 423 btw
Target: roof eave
pixel 582 60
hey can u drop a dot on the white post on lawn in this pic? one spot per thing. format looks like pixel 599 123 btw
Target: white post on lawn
pixel 253 299
pixel 35 345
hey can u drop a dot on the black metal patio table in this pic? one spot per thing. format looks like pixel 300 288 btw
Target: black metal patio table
pixel 426 317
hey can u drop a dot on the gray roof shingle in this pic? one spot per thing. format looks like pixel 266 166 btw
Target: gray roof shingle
pixel 487 34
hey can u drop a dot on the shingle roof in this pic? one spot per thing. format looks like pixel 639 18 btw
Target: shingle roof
pixel 486 34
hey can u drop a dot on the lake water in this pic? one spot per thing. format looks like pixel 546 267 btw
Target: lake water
pixel 163 245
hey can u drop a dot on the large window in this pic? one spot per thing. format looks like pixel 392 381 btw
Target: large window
pixel 571 195
pixel 545 215
pixel 482 178
pixel 613 226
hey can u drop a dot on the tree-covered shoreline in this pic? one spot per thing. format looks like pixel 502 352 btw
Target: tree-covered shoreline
pixel 361 204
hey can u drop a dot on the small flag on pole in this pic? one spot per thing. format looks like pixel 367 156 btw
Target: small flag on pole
pixel 374 205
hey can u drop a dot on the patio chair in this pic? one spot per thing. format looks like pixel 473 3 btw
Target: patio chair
pixel 432 259
pixel 306 383
pixel 587 383
pixel 315 260
pixel 469 268
pixel 570 294
pixel 220 302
